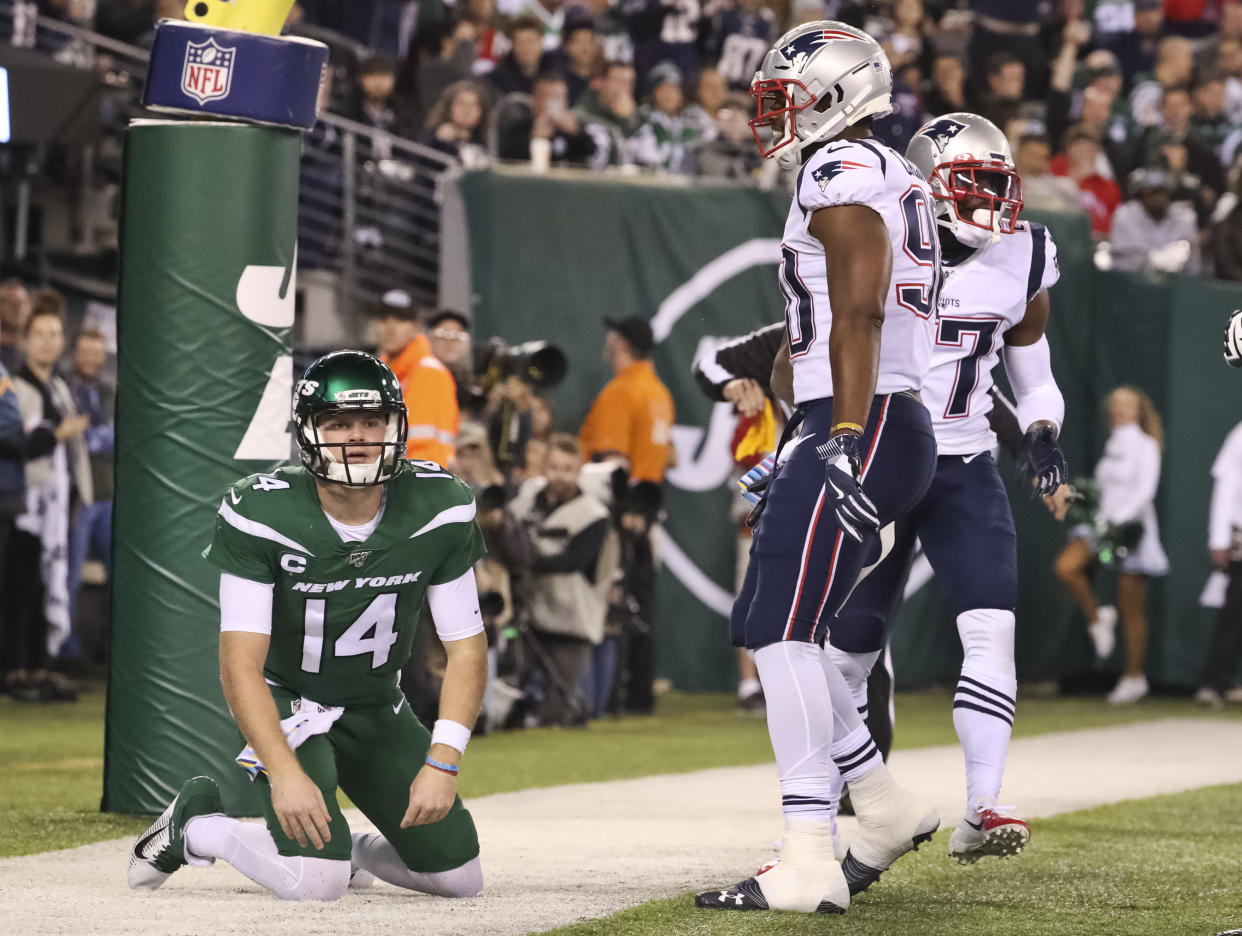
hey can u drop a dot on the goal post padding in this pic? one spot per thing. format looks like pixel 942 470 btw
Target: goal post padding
pixel 208 237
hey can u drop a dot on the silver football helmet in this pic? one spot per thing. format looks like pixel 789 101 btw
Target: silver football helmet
pixel 969 166
pixel 818 79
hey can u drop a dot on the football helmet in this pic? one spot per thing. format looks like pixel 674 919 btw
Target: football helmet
pixel 818 79
pixel 349 382
pixel 968 164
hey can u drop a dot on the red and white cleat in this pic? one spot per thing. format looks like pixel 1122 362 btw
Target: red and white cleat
pixel 995 833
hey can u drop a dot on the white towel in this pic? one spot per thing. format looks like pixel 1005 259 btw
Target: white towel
pixel 309 718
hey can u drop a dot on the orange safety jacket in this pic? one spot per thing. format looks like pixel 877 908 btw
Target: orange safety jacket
pixel 430 400
pixel 632 415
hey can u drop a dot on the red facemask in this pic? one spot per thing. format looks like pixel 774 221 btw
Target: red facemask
pixel 775 109
pixel 999 186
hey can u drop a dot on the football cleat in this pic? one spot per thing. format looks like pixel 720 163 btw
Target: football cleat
pixel 745 895
pixel 891 822
pixel 160 850
pixel 1103 631
pixel 996 833
pixel 1129 689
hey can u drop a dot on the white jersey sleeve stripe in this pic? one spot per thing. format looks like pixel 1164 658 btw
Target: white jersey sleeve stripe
pixel 462 513
pixel 261 530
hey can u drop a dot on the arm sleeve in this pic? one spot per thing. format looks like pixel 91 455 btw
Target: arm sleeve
pixel 849 173
pixel 580 554
pixel 1141 490
pixel 455 608
pixel 1227 473
pixel 245 605
pixel 1029 369
pixel 749 357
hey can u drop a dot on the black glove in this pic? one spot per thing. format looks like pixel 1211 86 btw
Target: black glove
pixel 842 457
pixel 1041 460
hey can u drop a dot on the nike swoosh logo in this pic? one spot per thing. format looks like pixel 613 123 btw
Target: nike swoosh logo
pixel 233 496
pixel 967 459
pixel 397 708
pixel 142 842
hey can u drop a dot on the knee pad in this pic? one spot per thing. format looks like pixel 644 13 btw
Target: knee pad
pixel 987 642
pixel 319 879
pixel 855 667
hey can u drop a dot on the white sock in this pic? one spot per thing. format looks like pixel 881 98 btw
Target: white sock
pixel 374 853
pixel 799 711
pixel 747 688
pixel 249 848
pixel 983 705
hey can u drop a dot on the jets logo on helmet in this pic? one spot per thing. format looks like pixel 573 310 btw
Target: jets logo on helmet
pixel 818 79
pixel 340 384
pixel 967 162
pixel 942 131
pixel 833 168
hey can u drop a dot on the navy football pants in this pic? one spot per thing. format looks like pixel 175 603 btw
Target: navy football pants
pixel 802 565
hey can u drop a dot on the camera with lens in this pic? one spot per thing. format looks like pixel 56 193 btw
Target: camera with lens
pixel 540 364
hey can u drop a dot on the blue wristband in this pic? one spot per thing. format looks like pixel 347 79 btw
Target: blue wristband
pixel 440 765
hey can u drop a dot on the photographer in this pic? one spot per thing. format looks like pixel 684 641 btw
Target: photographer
pixel 565 592
pixel 507 380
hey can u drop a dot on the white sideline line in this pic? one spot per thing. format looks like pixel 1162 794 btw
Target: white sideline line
pixel 558 855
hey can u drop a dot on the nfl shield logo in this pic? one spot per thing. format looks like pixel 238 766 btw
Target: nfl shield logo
pixel 208 72
pixel 356 559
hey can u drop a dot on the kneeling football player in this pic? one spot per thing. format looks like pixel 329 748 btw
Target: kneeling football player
pixel 323 570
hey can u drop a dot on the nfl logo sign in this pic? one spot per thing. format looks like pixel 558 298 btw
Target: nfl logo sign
pixel 208 72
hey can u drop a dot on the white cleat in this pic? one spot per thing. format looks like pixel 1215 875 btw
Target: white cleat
pixel 995 833
pixel 1129 690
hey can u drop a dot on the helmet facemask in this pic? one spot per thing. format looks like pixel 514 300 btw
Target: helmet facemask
pixel 776 110
pixel 980 199
pixel 330 462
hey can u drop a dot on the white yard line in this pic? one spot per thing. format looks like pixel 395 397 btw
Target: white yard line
pixel 557 855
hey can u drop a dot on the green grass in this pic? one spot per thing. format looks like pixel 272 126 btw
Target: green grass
pixel 51 757
pixel 1165 866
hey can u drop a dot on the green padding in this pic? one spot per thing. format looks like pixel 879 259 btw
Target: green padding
pixel 204 203
pixel 550 258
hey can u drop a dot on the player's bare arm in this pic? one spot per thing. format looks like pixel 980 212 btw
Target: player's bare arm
pixel 296 799
pixel 465 679
pixel 859 260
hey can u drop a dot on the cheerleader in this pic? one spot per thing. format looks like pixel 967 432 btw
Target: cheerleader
pixel 1128 475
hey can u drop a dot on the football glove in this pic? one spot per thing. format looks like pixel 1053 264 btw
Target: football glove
pixel 1042 461
pixel 1233 339
pixel 842 458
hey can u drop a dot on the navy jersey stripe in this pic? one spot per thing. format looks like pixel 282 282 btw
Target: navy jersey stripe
pixel 1038 259
pixel 798 189
pixel 878 155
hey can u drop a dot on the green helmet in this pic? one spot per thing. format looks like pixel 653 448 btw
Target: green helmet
pixel 349 382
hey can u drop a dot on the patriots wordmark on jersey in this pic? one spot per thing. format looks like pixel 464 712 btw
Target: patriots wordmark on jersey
pixel 344 614
pixel 861 172
pixel 981 298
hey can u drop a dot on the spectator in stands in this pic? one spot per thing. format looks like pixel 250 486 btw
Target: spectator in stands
pixel 1209 125
pixel 1006 33
pixel 1040 188
pixel 1173 146
pixel 547 132
pixel 93 397
pixel 576 556
pixel 450 59
pixel 738 37
pixel 664 31
pixel 457 124
pixel 1151 231
pixel 582 62
pixel 34 594
pixel 1128 475
pixel 1075 34
pixel 1136 46
pixel 1111 130
pixel 1218 677
pixel 429 389
pixel 610 115
pixel 448 333
pixel 611 30
pixel 1225 242
pixel 1175 66
pixel 15 308
pixel 669 135
pixel 375 101
pixel 947 91
pixel 1098 193
pixel 490 42
pixel 516 71
pixel 1006 75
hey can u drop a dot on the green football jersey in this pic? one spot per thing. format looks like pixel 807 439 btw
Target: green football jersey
pixel 344 614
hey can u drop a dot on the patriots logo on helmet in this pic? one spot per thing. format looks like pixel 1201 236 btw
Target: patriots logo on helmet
pixel 833 168
pixel 942 131
pixel 803 47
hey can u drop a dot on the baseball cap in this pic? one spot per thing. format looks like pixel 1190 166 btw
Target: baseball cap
pixel 636 332
pixel 396 303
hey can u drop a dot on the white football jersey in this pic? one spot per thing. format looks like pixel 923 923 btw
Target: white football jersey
pixel 861 172
pixel 981 298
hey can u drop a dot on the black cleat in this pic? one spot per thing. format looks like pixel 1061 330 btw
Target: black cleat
pixel 860 876
pixel 744 895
